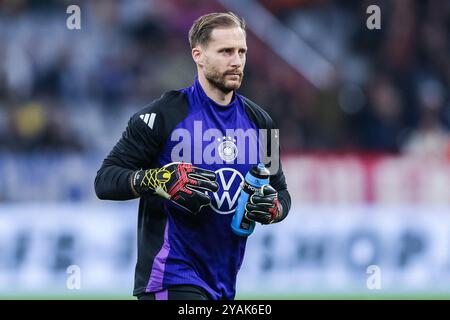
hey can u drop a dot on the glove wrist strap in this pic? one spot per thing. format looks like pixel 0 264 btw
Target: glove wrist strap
pixel 147 180
pixel 279 215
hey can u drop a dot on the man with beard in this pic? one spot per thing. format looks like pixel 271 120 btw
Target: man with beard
pixel 179 156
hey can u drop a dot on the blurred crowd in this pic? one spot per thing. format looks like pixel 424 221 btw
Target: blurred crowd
pixel 74 90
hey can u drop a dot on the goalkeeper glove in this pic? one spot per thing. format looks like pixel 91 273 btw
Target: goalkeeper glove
pixel 179 182
pixel 263 206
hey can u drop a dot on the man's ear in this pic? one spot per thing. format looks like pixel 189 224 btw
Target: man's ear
pixel 197 55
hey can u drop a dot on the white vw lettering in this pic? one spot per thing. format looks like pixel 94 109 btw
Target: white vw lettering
pixel 226 195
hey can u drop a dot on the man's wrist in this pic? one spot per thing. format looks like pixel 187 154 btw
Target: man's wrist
pixel 133 183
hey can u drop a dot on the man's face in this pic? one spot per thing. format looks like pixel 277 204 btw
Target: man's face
pixel 222 60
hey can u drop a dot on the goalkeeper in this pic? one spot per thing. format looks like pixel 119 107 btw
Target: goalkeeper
pixel 186 247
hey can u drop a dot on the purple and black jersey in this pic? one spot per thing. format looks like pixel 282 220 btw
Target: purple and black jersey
pixel 174 247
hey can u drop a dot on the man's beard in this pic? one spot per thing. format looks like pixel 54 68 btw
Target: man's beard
pixel 218 79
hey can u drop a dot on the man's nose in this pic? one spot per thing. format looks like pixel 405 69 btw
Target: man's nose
pixel 236 61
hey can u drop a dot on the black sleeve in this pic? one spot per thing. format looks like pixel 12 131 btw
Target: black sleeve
pixel 140 145
pixel 137 149
pixel 277 179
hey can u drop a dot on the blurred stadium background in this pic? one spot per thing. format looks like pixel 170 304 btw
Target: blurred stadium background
pixel 364 119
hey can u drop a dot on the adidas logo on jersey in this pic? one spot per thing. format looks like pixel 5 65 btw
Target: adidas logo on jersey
pixel 149 119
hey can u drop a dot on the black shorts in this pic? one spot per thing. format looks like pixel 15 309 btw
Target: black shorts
pixel 182 292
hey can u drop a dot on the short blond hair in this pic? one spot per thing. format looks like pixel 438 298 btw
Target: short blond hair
pixel 200 32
